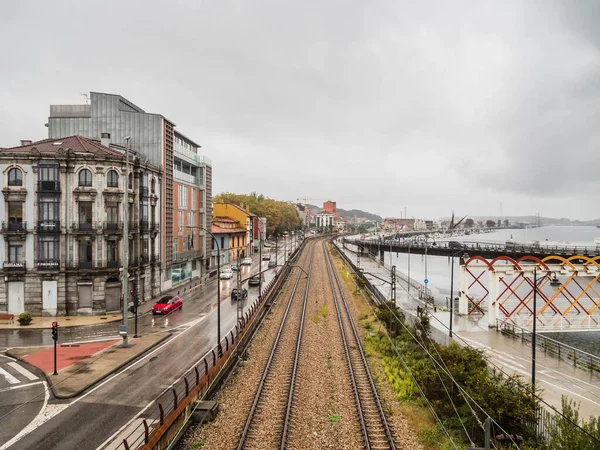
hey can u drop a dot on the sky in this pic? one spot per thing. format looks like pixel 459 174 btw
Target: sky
pixel 485 108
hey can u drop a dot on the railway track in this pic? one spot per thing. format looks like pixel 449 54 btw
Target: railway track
pixel 268 420
pixel 374 426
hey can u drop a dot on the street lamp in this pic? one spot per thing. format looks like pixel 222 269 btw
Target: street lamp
pixel 124 330
pixel 465 259
pixel 218 285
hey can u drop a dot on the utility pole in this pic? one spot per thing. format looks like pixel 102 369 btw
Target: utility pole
pixel 534 329
pixel 124 325
pixel 239 299
pixel 394 284
pixel 260 258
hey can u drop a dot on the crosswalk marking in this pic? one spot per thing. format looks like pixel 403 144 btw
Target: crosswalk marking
pixel 23 371
pixel 9 377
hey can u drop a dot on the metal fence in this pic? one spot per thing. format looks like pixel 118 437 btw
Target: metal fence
pixel 572 355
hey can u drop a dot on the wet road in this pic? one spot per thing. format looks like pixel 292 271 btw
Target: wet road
pixel 86 422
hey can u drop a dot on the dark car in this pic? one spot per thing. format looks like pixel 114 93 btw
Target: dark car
pixel 167 304
pixel 267 257
pixel 272 263
pixel 239 294
pixel 455 244
pixel 254 281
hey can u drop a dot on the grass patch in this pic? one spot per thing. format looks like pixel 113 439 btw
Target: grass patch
pixel 323 310
pixel 335 418
pixel 316 318
pixel 197 444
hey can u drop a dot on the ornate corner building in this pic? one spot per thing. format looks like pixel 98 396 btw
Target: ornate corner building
pixel 62 239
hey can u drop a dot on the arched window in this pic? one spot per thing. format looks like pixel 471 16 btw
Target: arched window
pixel 130 181
pixel 85 178
pixel 15 177
pixel 112 179
pixel 153 186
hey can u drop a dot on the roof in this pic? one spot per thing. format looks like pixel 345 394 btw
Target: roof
pixel 224 219
pixel 77 144
pixel 218 230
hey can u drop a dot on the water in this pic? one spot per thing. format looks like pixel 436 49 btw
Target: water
pixel 437 269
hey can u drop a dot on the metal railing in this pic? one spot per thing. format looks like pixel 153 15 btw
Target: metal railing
pixel 14 227
pixel 144 191
pixel 564 352
pixel 12 266
pixel 92 265
pixel 83 226
pixel 48 186
pixel 48 264
pixel 48 226
pixel 112 226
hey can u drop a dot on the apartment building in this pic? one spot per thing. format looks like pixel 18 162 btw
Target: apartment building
pixel 186 189
pixel 62 239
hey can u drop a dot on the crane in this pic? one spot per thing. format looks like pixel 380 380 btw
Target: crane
pixel 304 200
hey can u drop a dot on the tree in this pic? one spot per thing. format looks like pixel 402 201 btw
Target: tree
pixel 469 223
pixel 490 223
pixel 506 222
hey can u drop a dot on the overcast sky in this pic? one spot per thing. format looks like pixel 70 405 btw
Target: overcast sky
pixel 380 106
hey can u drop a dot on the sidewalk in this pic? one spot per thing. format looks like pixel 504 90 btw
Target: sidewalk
pixel 81 366
pixel 81 321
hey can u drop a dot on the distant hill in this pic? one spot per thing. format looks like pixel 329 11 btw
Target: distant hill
pixel 534 220
pixel 350 213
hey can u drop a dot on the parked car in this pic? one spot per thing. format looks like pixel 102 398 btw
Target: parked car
pixel 239 294
pixel 167 304
pixel 226 274
pixel 234 267
pixel 254 280
pixel 455 244
pixel 267 257
pixel 272 263
pixel 266 245
pixel 247 261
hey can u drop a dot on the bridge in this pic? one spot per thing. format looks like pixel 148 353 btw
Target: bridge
pixel 512 284
pixel 485 250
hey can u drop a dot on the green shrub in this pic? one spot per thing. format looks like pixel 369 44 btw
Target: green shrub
pixel 25 318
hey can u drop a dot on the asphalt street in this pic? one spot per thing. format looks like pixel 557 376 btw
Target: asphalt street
pixel 86 422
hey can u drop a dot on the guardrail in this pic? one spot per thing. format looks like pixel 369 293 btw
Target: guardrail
pixel 165 417
pixel 572 355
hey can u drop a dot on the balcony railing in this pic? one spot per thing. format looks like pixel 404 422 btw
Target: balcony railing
pixel 48 264
pixel 113 227
pixel 14 227
pixel 144 225
pixel 50 226
pixel 92 265
pixel 134 225
pixel 48 186
pixel 144 191
pixel 154 259
pixel 154 226
pixel 11 266
pixel 144 258
pixel 83 226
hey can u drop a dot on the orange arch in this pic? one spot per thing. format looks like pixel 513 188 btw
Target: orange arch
pixel 559 258
pixel 506 258
pixel 479 258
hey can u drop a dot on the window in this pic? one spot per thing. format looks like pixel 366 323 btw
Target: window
pixel 48 248
pixel 153 186
pixel 153 214
pixel 180 221
pixel 15 177
pixel 48 208
pixel 85 178
pixel 112 251
pixel 222 242
pixel 183 196
pixel 48 172
pixel 112 213
pixel 15 253
pixel 112 179
pixel 15 213
pixel 130 181
pixel 193 198
pixel 85 254
pixel 85 215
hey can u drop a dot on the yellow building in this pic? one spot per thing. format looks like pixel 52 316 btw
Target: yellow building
pixel 240 215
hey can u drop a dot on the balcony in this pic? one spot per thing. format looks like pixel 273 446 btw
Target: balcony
pixel 114 264
pixel 154 259
pixel 94 265
pixel 49 186
pixel 112 227
pixel 14 227
pixel 154 227
pixel 144 225
pixel 144 191
pixel 134 225
pixel 14 267
pixel 144 258
pixel 48 226
pixel 84 227
pixel 48 264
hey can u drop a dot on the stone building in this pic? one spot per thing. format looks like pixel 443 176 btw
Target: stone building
pixel 62 238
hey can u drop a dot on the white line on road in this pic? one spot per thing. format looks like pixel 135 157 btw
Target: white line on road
pixel 9 377
pixel 23 371
pixel 8 357
pixel 12 388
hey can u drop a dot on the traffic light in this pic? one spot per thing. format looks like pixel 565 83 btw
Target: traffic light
pixel 55 331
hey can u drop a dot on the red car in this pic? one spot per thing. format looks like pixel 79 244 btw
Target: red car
pixel 167 304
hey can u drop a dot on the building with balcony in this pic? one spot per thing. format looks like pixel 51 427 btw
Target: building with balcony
pixel 231 237
pixel 62 240
pixel 186 188
pixel 243 217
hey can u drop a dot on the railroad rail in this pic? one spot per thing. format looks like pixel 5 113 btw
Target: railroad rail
pixel 373 422
pixel 271 389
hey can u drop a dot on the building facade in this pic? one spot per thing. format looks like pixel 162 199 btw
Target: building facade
pixel 242 216
pixel 324 220
pixel 186 190
pixel 62 241
pixel 231 238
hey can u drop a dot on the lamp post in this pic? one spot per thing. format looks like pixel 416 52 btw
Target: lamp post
pixel 534 329
pixel 218 285
pixel 124 330
pixel 260 238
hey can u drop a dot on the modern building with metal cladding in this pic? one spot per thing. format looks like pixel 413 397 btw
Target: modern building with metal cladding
pixel 186 200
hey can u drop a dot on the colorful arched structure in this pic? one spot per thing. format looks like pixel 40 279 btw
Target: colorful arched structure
pixel 567 291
